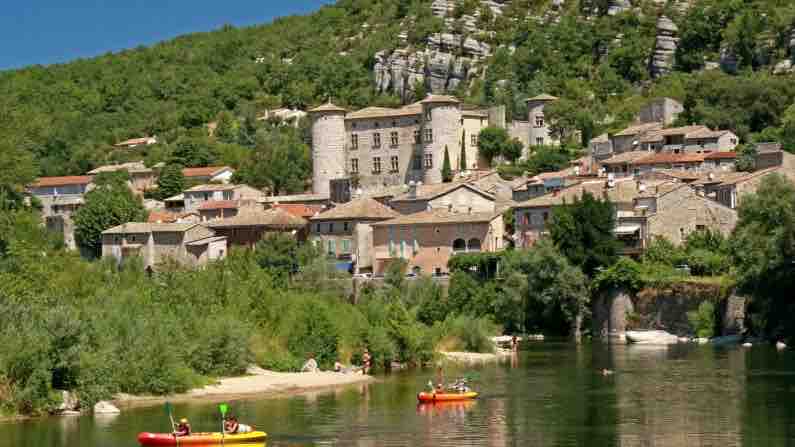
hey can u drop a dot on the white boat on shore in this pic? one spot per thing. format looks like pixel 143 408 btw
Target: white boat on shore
pixel 651 338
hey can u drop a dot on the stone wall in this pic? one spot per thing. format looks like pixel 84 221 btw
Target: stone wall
pixel 616 312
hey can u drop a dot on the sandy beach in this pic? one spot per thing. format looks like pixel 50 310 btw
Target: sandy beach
pixel 259 383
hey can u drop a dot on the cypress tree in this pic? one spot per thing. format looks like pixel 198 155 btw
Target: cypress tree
pixel 462 160
pixel 447 171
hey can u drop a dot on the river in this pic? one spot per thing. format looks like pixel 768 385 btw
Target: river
pixel 550 394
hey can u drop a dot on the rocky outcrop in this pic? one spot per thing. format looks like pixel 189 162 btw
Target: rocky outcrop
pixel 618 6
pixel 651 338
pixel 662 59
pixel 104 407
pixel 70 404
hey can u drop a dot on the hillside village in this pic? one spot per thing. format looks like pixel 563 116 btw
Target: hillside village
pixel 378 194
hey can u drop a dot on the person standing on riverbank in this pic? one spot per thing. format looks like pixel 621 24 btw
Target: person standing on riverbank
pixel 366 361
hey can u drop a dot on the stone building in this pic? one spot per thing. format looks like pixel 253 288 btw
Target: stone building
pixel 452 197
pixel 141 177
pixel 427 240
pixel 378 147
pixel 189 244
pixel 250 225
pixel 60 198
pixel 661 110
pixel 345 232
pixel 198 195
pixel 209 174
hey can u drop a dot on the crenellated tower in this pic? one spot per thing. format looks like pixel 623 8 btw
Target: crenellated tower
pixel 441 126
pixel 328 146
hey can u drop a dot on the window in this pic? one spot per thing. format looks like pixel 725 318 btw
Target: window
pixel 331 247
pixel 393 139
pixel 546 216
pixel 317 228
pixel 346 246
pixel 701 228
pixel 353 125
pixel 417 162
pixel 331 227
pixel 473 245
pixel 402 249
pixel 428 161
pixel 206 196
pixel 429 135
pixel 459 245
pixel 474 140
pixel 527 218
pixel 417 139
pixel 376 125
pixel 345 226
pixel 428 115
pixel 354 165
pixel 376 165
pixel 393 164
pixel 354 142
pixel 228 195
pixel 539 122
pixel 376 140
pixel 539 141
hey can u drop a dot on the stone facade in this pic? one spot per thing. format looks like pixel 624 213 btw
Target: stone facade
pixel 681 212
pixel 459 198
pixel 661 110
pixel 539 128
pixel 328 146
pixel 188 244
pixel 195 197
pixel 427 241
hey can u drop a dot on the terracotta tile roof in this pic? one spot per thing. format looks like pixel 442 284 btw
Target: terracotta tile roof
pixel 430 192
pixel 62 181
pixel 430 99
pixel 748 176
pixel 383 112
pixel 359 209
pixel 162 217
pixel 542 97
pixel 438 217
pixel 639 129
pixel 132 167
pixel 219 205
pixel 623 191
pixel 679 174
pixel 275 218
pixel 719 177
pixel 669 157
pixel 208 171
pixel 295 198
pixel 720 156
pixel 706 133
pixel 212 187
pixel 626 157
pixel 327 107
pixel 659 135
pixel 299 209
pixel 144 227
pixel 475 113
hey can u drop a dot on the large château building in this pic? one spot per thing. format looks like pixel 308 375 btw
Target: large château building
pixel 379 147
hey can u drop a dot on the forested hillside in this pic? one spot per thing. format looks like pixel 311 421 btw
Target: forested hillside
pixel 601 56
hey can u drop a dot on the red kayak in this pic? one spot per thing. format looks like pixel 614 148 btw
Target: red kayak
pixel 200 438
pixel 446 397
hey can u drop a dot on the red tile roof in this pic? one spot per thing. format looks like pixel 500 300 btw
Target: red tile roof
pixel 721 155
pixel 219 205
pixel 209 171
pixel 300 210
pixel 667 157
pixel 162 216
pixel 62 181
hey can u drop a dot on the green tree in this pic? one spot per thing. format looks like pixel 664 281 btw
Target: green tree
pixel 277 252
pixel 447 171
pixel 193 151
pixel 171 181
pixel 280 162
pixel 19 170
pixel 583 231
pixel 763 253
pixel 493 142
pixel 462 159
pixel 109 204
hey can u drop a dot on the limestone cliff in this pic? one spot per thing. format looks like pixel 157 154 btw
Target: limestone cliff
pixel 662 58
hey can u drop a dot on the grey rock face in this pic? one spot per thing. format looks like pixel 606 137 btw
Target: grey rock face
pixel 665 45
pixel 618 6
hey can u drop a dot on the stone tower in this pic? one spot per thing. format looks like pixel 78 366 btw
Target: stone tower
pixel 539 128
pixel 441 126
pixel 328 146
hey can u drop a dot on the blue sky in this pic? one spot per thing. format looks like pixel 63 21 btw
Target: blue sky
pixel 53 31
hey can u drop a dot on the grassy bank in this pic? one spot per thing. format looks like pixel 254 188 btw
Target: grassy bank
pixel 99 329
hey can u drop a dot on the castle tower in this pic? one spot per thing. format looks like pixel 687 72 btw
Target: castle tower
pixel 539 128
pixel 441 126
pixel 328 146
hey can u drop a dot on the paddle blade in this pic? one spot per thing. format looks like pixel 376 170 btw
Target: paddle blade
pixel 168 408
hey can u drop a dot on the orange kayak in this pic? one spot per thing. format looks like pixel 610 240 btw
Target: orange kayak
pixel 446 397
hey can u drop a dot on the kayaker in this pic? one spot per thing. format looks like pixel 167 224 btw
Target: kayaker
pixel 232 426
pixel 183 428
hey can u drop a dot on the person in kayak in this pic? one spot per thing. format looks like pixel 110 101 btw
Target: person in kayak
pixel 233 427
pixel 183 428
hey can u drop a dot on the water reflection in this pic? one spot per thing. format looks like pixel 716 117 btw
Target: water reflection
pixel 553 394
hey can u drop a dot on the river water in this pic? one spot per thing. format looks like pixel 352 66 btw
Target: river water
pixel 550 394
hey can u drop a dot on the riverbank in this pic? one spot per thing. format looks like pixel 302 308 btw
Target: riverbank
pixel 261 383
pixel 476 357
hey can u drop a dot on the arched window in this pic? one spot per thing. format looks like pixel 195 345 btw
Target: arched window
pixel 459 246
pixel 473 244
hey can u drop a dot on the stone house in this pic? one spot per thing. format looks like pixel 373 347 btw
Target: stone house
pixel 728 188
pixel 531 216
pixel 209 174
pixel 345 232
pixel 622 164
pixel 141 177
pixel 720 161
pixel 629 139
pixel 452 197
pixel 224 209
pixel 313 200
pixel 427 240
pixel 189 244
pixel 250 225
pixel 540 134
pixel 196 196
pixel 689 139
pixel 300 210
pixel 544 183
pixel 668 161
pixel 661 110
pixel 60 198
pixel 672 213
